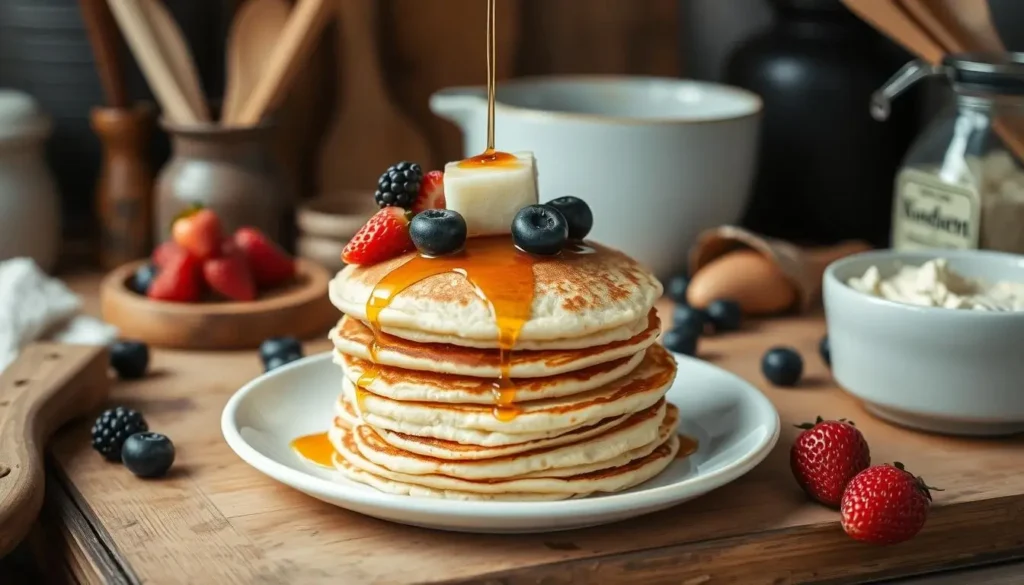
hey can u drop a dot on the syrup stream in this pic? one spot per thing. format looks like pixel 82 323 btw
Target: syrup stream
pixel 492 74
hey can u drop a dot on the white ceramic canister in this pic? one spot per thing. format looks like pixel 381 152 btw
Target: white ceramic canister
pixel 29 204
pixel 658 160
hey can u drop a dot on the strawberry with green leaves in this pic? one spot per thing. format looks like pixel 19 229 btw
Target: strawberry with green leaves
pixel 826 456
pixel 885 504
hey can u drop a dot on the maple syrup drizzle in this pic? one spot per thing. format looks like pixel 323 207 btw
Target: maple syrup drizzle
pixel 502 277
pixel 492 73
pixel 315 448
pixel 687 446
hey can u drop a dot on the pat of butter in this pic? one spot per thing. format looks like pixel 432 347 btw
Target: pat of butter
pixel 489 196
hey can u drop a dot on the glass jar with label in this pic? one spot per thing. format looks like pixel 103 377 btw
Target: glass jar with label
pixel 962 182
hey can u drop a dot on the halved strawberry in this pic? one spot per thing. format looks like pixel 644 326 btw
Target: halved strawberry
pixel 384 236
pixel 230 276
pixel 269 264
pixel 431 195
pixel 178 280
pixel 166 252
pixel 198 232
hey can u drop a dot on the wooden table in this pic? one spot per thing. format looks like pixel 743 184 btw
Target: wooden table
pixel 216 520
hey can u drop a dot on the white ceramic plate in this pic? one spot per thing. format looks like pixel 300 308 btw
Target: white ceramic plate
pixel 734 423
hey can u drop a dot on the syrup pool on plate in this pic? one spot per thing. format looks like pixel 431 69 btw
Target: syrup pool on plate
pixel 315 448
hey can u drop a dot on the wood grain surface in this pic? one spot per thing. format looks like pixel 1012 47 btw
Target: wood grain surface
pixel 217 520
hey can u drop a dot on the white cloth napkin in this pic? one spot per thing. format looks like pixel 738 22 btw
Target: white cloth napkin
pixel 35 306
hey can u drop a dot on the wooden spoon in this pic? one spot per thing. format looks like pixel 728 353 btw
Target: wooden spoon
pixel 105 40
pixel 974 20
pixel 48 385
pixel 892 21
pixel 369 132
pixel 294 46
pixel 176 52
pixel 135 25
pixel 255 32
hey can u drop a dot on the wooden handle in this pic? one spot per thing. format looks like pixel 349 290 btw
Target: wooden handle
pixel 176 54
pixel 890 20
pixel 255 32
pixel 105 41
pixel 357 48
pixel 48 385
pixel 134 24
pixel 297 41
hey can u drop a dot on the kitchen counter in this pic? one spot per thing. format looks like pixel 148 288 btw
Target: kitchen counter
pixel 216 520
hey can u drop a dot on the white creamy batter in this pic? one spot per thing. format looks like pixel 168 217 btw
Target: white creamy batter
pixel 934 284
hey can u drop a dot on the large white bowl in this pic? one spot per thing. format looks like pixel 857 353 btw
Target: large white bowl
pixel 942 370
pixel 659 160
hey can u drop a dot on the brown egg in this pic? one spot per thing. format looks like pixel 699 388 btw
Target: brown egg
pixel 748 278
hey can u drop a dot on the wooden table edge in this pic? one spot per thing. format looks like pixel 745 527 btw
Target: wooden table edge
pixel 69 543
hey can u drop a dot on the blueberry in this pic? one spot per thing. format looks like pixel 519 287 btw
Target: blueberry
pixel 540 229
pixel 142 278
pixel 437 232
pixel 279 346
pixel 825 350
pixel 680 340
pixel 577 214
pixel 129 359
pixel 676 288
pixel 783 366
pixel 276 361
pixel 690 319
pixel 725 315
pixel 148 454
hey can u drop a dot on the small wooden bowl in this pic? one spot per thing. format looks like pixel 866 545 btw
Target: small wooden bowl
pixel 301 310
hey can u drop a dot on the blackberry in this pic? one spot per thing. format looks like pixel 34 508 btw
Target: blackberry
pixel 113 427
pixel 399 185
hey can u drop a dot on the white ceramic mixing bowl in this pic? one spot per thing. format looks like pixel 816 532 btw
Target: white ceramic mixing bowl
pixel 658 160
pixel 950 371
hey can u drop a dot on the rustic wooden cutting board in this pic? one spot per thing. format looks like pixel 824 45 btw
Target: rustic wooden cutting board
pixel 217 520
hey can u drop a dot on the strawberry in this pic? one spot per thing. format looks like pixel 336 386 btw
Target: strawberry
pixel 885 504
pixel 178 280
pixel 269 264
pixel 229 275
pixel 199 232
pixel 431 194
pixel 826 456
pixel 384 236
pixel 163 253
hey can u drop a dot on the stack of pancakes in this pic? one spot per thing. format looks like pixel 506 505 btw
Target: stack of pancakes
pixel 417 411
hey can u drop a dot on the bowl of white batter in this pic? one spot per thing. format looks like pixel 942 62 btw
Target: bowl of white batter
pixel 932 340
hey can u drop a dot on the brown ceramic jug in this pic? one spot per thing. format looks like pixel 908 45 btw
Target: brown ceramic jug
pixel 232 171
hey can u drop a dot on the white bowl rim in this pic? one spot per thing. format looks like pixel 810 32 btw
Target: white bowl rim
pixel 912 255
pixel 756 104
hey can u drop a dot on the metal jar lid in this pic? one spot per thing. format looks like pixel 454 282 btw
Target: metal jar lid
pixel 968 73
pixel 995 73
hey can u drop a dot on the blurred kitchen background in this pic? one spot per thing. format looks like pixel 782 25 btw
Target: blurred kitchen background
pixel 825 170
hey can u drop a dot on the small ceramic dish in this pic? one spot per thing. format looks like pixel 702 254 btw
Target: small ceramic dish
pixel 323 251
pixel 336 216
pixel 950 371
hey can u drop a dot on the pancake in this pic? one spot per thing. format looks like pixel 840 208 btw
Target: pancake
pixel 636 431
pixel 353 338
pixel 467 437
pixel 574 294
pixel 352 473
pixel 602 337
pixel 354 466
pixel 639 431
pixel 636 391
pixel 413 385
pixel 437 448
